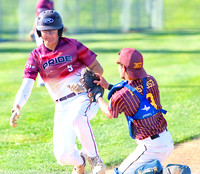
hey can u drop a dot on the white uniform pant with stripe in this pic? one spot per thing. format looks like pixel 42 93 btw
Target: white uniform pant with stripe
pixel 148 150
pixel 71 120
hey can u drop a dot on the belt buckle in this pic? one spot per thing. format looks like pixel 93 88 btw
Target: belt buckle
pixel 155 136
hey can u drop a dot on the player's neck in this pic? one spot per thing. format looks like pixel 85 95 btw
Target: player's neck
pixel 51 46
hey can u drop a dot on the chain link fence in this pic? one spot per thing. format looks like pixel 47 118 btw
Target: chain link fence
pixel 17 16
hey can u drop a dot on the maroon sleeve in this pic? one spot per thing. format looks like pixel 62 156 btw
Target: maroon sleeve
pixel 115 105
pixel 123 101
pixel 31 67
pixel 85 55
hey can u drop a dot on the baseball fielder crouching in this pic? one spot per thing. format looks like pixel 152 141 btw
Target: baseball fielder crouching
pixel 137 96
pixel 59 61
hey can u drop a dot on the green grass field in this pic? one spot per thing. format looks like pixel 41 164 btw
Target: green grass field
pixel 172 57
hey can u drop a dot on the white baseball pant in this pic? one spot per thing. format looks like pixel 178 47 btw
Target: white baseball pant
pixel 71 120
pixel 148 150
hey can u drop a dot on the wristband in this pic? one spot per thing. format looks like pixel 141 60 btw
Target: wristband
pixel 97 96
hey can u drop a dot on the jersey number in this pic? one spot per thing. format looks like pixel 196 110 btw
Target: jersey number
pixel 70 68
pixel 151 100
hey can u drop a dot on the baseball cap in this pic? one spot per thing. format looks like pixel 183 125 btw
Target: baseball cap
pixel 133 61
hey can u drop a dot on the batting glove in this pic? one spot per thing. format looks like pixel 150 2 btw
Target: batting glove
pixel 15 115
pixel 76 88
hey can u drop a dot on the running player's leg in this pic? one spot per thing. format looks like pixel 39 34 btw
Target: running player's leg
pixel 85 111
pixel 64 136
pixel 85 135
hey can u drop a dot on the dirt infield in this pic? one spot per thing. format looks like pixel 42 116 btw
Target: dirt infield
pixel 187 153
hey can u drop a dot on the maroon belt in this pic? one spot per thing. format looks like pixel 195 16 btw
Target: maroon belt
pixel 66 97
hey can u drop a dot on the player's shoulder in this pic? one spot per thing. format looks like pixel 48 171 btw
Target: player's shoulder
pixel 121 92
pixel 115 91
pixel 35 52
pixel 66 39
pixel 152 82
pixel 151 78
pixel 71 41
pixel 120 96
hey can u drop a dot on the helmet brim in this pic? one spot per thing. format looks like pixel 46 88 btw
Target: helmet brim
pixel 40 28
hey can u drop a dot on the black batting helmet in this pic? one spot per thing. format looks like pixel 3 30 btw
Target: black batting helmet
pixel 49 20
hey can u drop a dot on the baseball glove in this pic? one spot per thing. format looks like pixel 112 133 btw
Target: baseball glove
pixel 94 91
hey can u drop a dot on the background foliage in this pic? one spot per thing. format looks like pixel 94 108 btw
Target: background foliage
pixel 81 16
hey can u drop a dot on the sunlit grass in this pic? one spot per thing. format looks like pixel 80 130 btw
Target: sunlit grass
pixel 171 57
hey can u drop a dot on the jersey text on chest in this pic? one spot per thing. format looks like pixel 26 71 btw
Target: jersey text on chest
pixel 56 60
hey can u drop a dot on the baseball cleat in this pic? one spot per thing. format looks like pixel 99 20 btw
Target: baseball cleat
pixel 97 165
pixel 83 154
pixel 80 169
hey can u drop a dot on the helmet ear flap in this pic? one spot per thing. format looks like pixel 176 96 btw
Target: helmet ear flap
pixel 38 33
pixel 60 32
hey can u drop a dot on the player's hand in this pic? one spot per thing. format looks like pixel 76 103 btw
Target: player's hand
pixel 15 115
pixel 76 88
pixel 102 82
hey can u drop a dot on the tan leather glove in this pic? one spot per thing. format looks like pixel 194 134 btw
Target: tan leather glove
pixel 15 115
pixel 76 88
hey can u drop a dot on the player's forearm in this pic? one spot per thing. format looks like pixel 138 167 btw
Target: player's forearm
pixel 24 92
pixel 104 107
pixel 96 67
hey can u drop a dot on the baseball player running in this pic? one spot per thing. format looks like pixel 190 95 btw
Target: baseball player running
pixel 138 98
pixel 59 61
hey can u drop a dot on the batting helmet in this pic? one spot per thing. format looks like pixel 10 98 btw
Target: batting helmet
pixel 49 20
